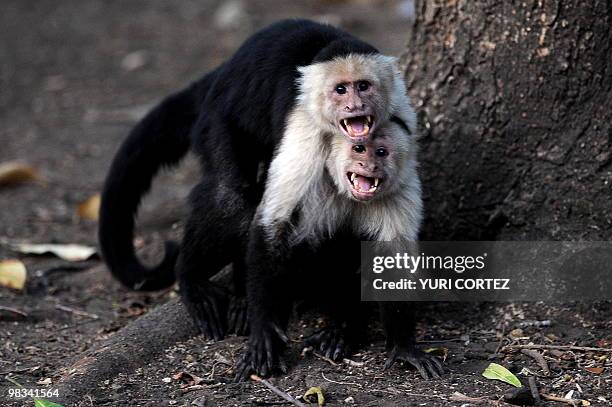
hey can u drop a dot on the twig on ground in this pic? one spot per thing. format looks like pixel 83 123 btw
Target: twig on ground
pixel 533 386
pixel 462 398
pixel 344 383
pixel 15 311
pixel 427 396
pixel 352 363
pixel 325 358
pixel 559 347
pixel 573 402
pixel 501 341
pixel 76 311
pixel 277 391
pixel 537 356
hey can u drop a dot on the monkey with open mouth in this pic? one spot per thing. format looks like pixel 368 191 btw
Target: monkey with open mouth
pixel 265 125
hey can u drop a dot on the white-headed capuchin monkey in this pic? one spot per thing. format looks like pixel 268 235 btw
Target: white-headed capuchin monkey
pixel 292 93
pixel 364 191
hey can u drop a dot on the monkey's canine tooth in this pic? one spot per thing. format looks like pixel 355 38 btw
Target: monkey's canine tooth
pixel 373 189
pixel 353 176
pixel 369 119
pixel 376 180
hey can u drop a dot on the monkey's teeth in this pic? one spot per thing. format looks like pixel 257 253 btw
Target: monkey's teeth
pixel 376 180
pixel 346 123
pixel 372 189
pixel 369 119
pixel 353 176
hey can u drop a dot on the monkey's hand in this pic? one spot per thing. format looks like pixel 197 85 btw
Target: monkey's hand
pixel 263 355
pixel 331 341
pixel 207 305
pixel 237 316
pixel 427 365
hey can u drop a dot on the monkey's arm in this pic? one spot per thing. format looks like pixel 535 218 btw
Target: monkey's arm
pixel 269 305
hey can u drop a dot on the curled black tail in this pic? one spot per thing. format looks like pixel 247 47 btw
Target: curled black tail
pixel 159 140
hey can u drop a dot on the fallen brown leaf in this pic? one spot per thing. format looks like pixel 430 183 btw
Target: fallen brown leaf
pixel 12 274
pixel 17 172
pixel 595 370
pixel 89 208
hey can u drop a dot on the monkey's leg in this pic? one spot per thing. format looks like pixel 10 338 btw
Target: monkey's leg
pixel 212 236
pixel 269 307
pixel 398 320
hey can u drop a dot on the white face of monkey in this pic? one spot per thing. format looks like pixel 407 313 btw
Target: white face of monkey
pixel 350 95
pixel 370 170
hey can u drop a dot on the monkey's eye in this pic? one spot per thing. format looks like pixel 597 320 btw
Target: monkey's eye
pixel 363 86
pixel 381 152
pixel 340 89
pixel 359 148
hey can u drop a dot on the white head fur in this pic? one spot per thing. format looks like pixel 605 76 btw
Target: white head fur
pixel 297 176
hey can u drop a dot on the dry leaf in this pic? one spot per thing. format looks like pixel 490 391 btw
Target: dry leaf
pixel 17 172
pixel 595 370
pixel 12 274
pixel 44 381
pixel 90 208
pixel 188 378
pixel 314 394
pixel 441 352
pixel 69 252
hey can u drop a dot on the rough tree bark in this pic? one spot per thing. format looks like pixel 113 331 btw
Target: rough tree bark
pixel 516 101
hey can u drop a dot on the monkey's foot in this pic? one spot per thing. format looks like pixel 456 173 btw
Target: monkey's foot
pixel 264 353
pixel 427 365
pixel 330 341
pixel 208 308
pixel 237 316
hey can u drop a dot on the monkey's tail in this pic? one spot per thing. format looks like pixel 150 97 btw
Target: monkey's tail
pixel 159 140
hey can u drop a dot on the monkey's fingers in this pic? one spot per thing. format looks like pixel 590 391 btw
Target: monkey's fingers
pixel 281 333
pixel 243 368
pixel 329 341
pixel 340 350
pixel 427 365
pixel 331 346
pixel 237 316
pixel 241 326
pixel 213 318
pixel 201 315
pixel 270 353
pixel 314 339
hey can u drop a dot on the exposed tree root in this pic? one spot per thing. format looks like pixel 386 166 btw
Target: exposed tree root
pixel 129 348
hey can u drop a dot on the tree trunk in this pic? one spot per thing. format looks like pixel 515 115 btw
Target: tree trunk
pixel 516 103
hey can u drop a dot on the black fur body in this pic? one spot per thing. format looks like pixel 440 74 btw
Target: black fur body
pixel 233 118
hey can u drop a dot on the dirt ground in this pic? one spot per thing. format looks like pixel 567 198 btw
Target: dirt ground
pixel 74 77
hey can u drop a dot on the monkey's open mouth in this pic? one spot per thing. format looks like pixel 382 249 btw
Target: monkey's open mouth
pixel 357 128
pixel 363 187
